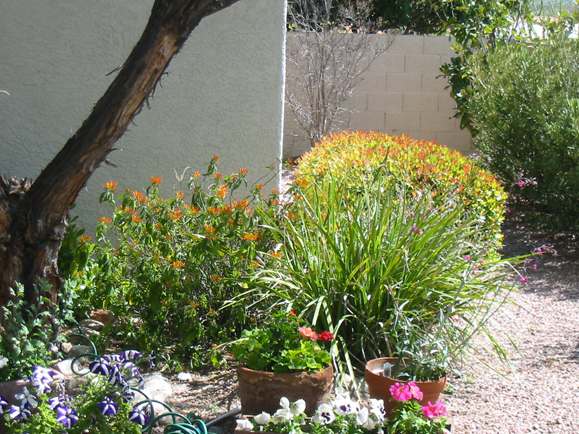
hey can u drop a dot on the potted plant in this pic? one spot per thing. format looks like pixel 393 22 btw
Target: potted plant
pixel 283 359
pixel 422 363
pixel 342 415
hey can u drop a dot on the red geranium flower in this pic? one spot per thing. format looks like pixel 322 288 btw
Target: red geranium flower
pixel 326 336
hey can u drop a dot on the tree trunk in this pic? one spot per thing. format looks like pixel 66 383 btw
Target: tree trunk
pixel 33 217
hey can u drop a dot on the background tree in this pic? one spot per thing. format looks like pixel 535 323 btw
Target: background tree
pixel 33 215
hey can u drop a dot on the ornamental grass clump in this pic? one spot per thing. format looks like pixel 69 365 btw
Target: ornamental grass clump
pixel 164 265
pixel 383 269
pixel 352 157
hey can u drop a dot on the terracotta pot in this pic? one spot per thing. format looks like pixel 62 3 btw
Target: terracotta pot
pixel 379 385
pixel 261 391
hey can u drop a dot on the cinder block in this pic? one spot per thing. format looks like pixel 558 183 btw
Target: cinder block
pixel 420 102
pixel 358 101
pixel 367 121
pixel 438 122
pixel 403 82
pixel 372 83
pixel 460 140
pixel 446 103
pixel 385 102
pixel 438 45
pixel 407 44
pixel 402 122
pixel 388 62
pixel 434 83
pixel 423 135
pixel 425 63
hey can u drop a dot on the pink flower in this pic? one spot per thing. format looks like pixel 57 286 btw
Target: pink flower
pixel 308 333
pixel 523 280
pixel 521 183
pixel 415 391
pixel 467 258
pixel 400 392
pixel 431 411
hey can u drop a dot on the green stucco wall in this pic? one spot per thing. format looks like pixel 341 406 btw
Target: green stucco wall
pixel 223 93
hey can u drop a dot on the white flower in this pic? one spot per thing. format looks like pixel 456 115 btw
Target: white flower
pixel 284 403
pixel 344 406
pixel 377 409
pixel 26 398
pixel 324 415
pixel 282 415
pixel 3 362
pixel 244 425
pixel 298 407
pixel 262 419
pixel 362 417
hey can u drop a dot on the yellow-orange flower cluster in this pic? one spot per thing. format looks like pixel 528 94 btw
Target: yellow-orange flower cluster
pixel 105 220
pixel 155 180
pixel 178 265
pixel 222 191
pixel 111 185
pixel 250 236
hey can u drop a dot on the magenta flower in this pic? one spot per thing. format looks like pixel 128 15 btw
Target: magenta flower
pixel 431 411
pixel 523 280
pixel 400 392
pixel 415 391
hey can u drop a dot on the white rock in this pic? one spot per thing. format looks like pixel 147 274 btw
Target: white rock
pixel 156 387
pixel 184 376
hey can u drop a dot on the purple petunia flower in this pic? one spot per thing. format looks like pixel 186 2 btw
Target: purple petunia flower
pixel 139 415
pixel 19 412
pixel 66 416
pixel 58 401
pixel 130 355
pixel 128 395
pixel 3 405
pixel 112 358
pixel 100 366
pixel 116 377
pixel 108 407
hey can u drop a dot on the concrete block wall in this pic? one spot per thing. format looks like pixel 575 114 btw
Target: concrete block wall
pixel 402 92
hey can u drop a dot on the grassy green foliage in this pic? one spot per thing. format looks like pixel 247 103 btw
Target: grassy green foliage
pixel 415 164
pixel 384 268
pixel 278 346
pixel 525 114
pixel 164 266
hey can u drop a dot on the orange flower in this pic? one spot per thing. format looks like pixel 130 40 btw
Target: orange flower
pixel 250 236
pixel 111 185
pixel 214 210
pixel 85 238
pixel 277 255
pixel 275 191
pixel 180 195
pixel 258 187
pixel 178 265
pixel 241 204
pixel 243 171
pixel 176 214
pixel 275 202
pixel 215 278
pixel 222 191
pixel 155 180
pixel 209 229
pixel 301 182
pixel 140 197
pixel 218 175
pixel 197 174
pixel 136 219
pixel 215 158
pixel 105 220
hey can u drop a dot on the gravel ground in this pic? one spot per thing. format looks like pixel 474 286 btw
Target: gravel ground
pixel 539 393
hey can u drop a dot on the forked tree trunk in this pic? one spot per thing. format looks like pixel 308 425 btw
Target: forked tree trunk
pixel 33 216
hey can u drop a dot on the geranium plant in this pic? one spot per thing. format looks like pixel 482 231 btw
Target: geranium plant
pixel 342 415
pixel 410 417
pixel 102 405
pixel 284 344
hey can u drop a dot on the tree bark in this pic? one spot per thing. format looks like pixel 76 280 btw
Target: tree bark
pixel 33 217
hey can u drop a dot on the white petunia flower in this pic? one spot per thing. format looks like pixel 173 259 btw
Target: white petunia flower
pixel 262 419
pixel 362 416
pixel 377 409
pixel 244 425
pixel 3 362
pixel 282 415
pixel 344 406
pixel 284 403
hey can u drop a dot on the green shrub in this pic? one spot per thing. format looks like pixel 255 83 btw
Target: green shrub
pixel 164 266
pixel 383 270
pixel 354 156
pixel 525 114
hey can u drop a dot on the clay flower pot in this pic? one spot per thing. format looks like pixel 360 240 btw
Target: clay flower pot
pixel 261 390
pixel 379 385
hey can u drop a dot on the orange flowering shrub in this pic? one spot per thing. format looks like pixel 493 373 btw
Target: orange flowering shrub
pixel 165 265
pixel 417 164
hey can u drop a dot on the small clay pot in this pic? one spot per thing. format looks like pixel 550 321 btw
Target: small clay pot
pixel 379 384
pixel 261 390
